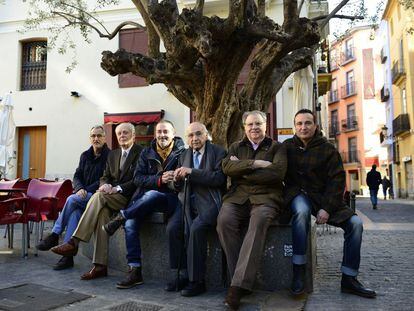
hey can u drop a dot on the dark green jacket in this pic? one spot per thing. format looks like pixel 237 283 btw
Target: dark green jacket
pixel 317 171
pixel 260 186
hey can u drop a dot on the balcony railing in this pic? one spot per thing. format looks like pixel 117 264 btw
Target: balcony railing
pixel 348 89
pixel 385 93
pixel 349 124
pixel 348 55
pixel 401 124
pixel 397 70
pixel 352 156
pixel 333 96
pixel 333 129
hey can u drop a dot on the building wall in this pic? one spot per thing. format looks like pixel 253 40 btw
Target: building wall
pixel 399 20
pixel 69 119
pixel 369 112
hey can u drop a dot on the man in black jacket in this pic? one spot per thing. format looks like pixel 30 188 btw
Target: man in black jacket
pixel 85 183
pixel 373 182
pixel 153 175
pixel 315 184
pixel 201 166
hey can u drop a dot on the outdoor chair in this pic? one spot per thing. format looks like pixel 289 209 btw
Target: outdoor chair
pixel 12 189
pixel 45 199
pixel 13 211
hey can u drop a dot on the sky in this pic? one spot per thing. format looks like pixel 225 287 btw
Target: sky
pixel 338 26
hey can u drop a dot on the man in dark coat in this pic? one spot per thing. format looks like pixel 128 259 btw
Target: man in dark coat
pixel 373 181
pixel 153 177
pixel 85 183
pixel 115 190
pixel 201 166
pixel 315 184
pixel 257 167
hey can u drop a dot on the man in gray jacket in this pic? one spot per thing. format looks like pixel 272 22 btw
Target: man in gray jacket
pixel 200 166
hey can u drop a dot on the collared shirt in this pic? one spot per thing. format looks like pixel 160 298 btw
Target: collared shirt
pixel 201 153
pixel 126 150
pixel 254 145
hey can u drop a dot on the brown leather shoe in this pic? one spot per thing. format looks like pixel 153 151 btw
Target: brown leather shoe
pixel 234 295
pixel 98 271
pixel 66 249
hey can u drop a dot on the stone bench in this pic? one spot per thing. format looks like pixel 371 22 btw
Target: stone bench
pixel 275 272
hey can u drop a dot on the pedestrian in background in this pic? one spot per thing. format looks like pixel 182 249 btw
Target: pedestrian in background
pixel 386 183
pixel 373 181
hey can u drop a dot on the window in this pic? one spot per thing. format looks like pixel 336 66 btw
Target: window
pixel 134 41
pixel 349 49
pixel 34 59
pixel 352 150
pixel 350 83
pixel 351 120
pixel 404 100
pixel 333 129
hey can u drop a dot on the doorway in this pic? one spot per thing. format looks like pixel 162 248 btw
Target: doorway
pixel 31 154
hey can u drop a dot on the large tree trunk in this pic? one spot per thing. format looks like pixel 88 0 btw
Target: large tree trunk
pixel 205 56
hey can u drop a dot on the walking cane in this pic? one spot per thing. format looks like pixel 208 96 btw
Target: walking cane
pixel 182 234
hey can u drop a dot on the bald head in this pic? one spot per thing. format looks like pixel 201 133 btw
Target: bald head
pixel 197 135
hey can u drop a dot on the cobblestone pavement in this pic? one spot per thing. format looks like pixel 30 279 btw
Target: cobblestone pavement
pixel 386 266
pixel 386 263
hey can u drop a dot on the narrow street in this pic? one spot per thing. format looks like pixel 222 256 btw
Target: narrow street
pixel 386 266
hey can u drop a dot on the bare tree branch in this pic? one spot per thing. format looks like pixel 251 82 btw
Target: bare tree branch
pixel 109 36
pixel 338 16
pixel 199 7
pixel 153 33
pixel 261 8
pixel 334 11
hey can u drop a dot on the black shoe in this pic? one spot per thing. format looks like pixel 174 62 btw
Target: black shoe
pixel 114 224
pixel 374 206
pixel 350 285
pixel 50 241
pixel 133 278
pixel 64 263
pixel 176 285
pixel 193 289
pixel 298 281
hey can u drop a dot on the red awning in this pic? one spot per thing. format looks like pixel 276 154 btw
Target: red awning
pixel 134 117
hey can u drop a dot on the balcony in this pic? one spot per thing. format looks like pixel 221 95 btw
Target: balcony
pixel 383 56
pixel 348 89
pixel 352 156
pixel 385 93
pixel 333 96
pixel 397 71
pixel 348 56
pixel 333 129
pixel 349 124
pixel 401 124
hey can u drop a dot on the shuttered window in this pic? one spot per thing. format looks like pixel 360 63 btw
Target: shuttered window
pixel 134 41
pixel 34 60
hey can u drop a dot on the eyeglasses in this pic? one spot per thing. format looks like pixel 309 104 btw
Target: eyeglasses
pixel 198 133
pixel 96 136
pixel 253 124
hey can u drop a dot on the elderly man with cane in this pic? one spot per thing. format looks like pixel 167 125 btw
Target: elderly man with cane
pixel 204 181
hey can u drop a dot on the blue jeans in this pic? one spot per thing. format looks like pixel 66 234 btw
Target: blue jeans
pixel 301 210
pixel 137 210
pixel 373 193
pixel 70 215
